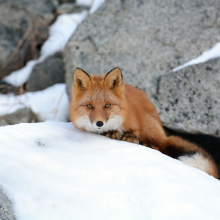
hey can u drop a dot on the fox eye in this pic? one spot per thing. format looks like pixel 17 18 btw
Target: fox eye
pixel 107 106
pixel 90 106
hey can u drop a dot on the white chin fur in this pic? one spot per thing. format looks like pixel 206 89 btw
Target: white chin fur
pixel 113 123
pixel 198 161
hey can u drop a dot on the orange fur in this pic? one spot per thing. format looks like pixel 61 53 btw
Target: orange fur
pixel 135 113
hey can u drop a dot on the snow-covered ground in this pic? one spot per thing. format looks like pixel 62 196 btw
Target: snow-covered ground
pixel 54 171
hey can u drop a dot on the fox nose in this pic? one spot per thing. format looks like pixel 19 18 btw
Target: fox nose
pixel 99 123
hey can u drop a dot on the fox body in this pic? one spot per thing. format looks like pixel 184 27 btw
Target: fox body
pixel 106 105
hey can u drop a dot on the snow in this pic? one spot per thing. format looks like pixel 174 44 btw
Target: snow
pixel 54 171
pixel 207 55
pixel 50 104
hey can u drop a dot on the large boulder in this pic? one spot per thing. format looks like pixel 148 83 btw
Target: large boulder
pixel 147 39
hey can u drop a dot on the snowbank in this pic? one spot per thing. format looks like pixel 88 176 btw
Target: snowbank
pixel 54 171
pixel 50 104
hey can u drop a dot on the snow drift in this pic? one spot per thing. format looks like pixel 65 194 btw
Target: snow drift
pixel 54 171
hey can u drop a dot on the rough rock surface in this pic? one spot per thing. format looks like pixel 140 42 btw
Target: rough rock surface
pixel 189 99
pixel 147 39
pixel 24 115
pixel 6 211
pixel 47 73
pixel 20 22
pixel 13 24
pixel 67 8
pixel 39 6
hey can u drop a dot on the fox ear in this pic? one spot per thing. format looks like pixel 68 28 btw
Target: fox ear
pixel 81 79
pixel 114 79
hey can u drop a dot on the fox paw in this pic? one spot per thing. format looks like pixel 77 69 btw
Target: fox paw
pixel 130 137
pixel 145 144
pixel 113 134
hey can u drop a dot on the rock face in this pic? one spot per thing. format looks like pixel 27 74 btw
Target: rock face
pixel 47 73
pixel 189 99
pixel 147 39
pixel 24 115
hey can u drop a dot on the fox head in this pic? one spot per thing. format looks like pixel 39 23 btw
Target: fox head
pixel 97 103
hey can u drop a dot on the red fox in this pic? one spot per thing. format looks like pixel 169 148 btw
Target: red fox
pixel 106 105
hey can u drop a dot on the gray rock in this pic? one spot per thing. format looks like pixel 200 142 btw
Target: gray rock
pixel 13 24
pixel 189 99
pixel 24 115
pixel 20 24
pixel 39 6
pixel 6 211
pixel 46 74
pixel 66 1
pixel 146 39
pixel 67 8
pixel 6 88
